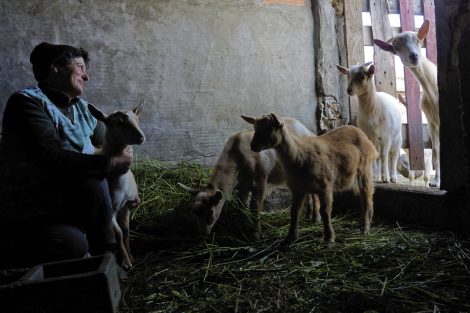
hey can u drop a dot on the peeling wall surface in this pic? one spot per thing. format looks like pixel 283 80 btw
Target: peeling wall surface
pixel 199 64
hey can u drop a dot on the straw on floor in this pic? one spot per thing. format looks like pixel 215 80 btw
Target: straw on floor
pixel 395 269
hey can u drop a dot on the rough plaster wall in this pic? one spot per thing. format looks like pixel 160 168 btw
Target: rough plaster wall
pixel 199 64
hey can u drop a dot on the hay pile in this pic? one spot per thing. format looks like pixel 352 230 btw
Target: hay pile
pixel 395 269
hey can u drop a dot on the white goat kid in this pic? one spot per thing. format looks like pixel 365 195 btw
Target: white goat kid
pixel 252 173
pixel 336 161
pixel 122 131
pixel 379 117
pixel 407 45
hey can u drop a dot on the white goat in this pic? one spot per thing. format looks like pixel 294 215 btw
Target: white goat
pixel 336 161
pixel 252 172
pixel 379 117
pixel 122 131
pixel 407 45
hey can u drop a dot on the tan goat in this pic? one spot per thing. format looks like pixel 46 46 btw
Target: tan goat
pixel 122 131
pixel 336 161
pixel 252 173
pixel 407 45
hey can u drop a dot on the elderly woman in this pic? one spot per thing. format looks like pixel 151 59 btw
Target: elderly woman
pixel 54 198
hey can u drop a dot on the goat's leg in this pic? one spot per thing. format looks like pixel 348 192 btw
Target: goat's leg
pixel 394 155
pixel 256 205
pixel 326 206
pixel 436 182
pixel 384 153
pixel 312 208
pixel 298 201
pixel 123 217
pixel 367 202
pixel 122 256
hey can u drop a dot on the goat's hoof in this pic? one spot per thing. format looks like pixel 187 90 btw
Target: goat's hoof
pixel 288 242
pixel 329 243
pixel 255 236
pixel 434 183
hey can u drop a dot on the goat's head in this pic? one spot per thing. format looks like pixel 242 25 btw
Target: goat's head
pixel 205 209
pixel 268 131
pixel 359 77
pixel 406 45
pixel 122 126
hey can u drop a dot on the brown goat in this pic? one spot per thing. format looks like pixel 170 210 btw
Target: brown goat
pixel 252 173
pixel 336 161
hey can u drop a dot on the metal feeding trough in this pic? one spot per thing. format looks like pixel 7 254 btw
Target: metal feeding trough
pixel 81 285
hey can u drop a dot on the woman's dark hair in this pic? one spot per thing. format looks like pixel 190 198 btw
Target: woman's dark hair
pixel 45 55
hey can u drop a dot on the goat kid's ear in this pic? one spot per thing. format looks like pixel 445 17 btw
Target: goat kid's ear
pixel 138 109
pixel 384 45
pixel 217 197
pixel 424 29
pixel 250 120
pixel 371 70
pixel 99 115
pixel 342 70
pixel 276 121
pixel 401 99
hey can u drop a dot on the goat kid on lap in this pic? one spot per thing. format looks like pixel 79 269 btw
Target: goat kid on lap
pixel 336 161
pixel 122 131
pixel 379 117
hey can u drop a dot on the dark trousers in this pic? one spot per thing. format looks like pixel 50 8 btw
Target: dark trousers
pixel 83 226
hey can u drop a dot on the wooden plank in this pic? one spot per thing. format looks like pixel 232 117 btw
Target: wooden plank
pixel 288 2
pixel 395 7
pixel 354 44
pixel 431 46
pixel 426 136
pixel 384 62
pixel 415 129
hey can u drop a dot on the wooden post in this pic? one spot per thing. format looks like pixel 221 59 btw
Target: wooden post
pixel 354 44
pixel 384 61
pixel 415 128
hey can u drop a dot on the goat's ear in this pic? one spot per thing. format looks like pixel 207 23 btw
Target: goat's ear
pixel 188 189
pixel 424 29
pixel 370 69
pixel 138 109
pixel 217 197
pixel 277 123
pixel 342 70
pixel 401 99
pixel 384 45
pixel 250 120
pixel 99 115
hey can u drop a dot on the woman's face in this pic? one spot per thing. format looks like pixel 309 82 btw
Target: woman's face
pixel 72 77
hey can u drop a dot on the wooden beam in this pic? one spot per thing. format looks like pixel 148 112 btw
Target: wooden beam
pixel 384 62
pixel 354 44
pixel 427 144
pixel 415 129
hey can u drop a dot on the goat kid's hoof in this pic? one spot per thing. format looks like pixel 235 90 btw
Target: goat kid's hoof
pixel 288 242
pixel 329 243
pixel 255 236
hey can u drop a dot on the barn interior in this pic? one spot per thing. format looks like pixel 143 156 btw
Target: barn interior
pixel 201 64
